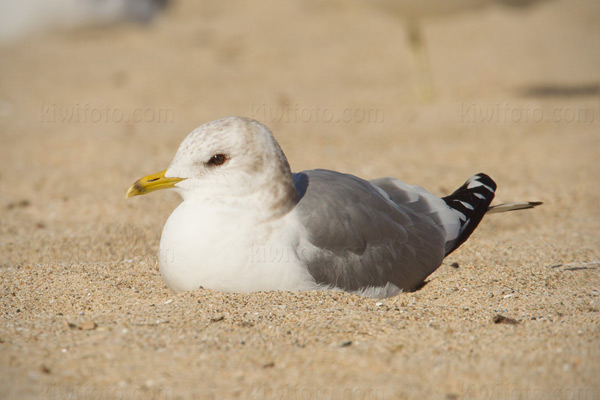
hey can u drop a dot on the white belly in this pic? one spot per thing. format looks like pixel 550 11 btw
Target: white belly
pixel 209 246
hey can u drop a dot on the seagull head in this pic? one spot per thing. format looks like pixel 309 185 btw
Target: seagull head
pixel 229 157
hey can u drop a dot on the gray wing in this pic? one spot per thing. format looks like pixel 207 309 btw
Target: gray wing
pixel 360 236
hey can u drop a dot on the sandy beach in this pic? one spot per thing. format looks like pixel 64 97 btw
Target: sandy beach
pixel 512 314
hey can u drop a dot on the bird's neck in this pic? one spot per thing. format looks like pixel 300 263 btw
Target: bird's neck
pixel 262 200
pixel 275 190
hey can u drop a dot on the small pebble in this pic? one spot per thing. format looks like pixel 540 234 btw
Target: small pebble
pixel 88 325
pixel 501 319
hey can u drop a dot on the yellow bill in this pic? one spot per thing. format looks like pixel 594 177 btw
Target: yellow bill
pixel 151 183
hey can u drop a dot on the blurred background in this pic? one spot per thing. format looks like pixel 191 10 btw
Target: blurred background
pixel 95 94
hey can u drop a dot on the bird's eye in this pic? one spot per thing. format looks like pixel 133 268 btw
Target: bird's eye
pixel 217 159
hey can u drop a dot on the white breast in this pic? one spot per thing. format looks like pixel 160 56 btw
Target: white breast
pixel 223 248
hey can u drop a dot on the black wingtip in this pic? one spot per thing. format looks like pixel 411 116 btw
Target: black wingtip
pixel 471 201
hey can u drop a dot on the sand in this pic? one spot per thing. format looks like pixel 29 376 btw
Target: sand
pixel 84 313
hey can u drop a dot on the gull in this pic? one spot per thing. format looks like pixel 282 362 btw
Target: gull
pixel 247 223
pixel 19 18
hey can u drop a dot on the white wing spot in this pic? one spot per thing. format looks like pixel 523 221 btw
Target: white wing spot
pixel 475 183
pixel 467 205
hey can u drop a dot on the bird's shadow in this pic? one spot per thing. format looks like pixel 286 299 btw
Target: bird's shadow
pixel 301 183
pixel 557 90
pixel 419 286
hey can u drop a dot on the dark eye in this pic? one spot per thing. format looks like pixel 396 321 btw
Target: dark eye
pixel 217 159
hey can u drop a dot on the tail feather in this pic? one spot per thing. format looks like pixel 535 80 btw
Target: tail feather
pixel 471 201
pixel 522 205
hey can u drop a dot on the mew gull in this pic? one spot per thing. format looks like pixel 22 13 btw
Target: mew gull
pixel 247 223
pixel 20 18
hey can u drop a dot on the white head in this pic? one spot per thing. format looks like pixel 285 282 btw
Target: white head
pixel 230 157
